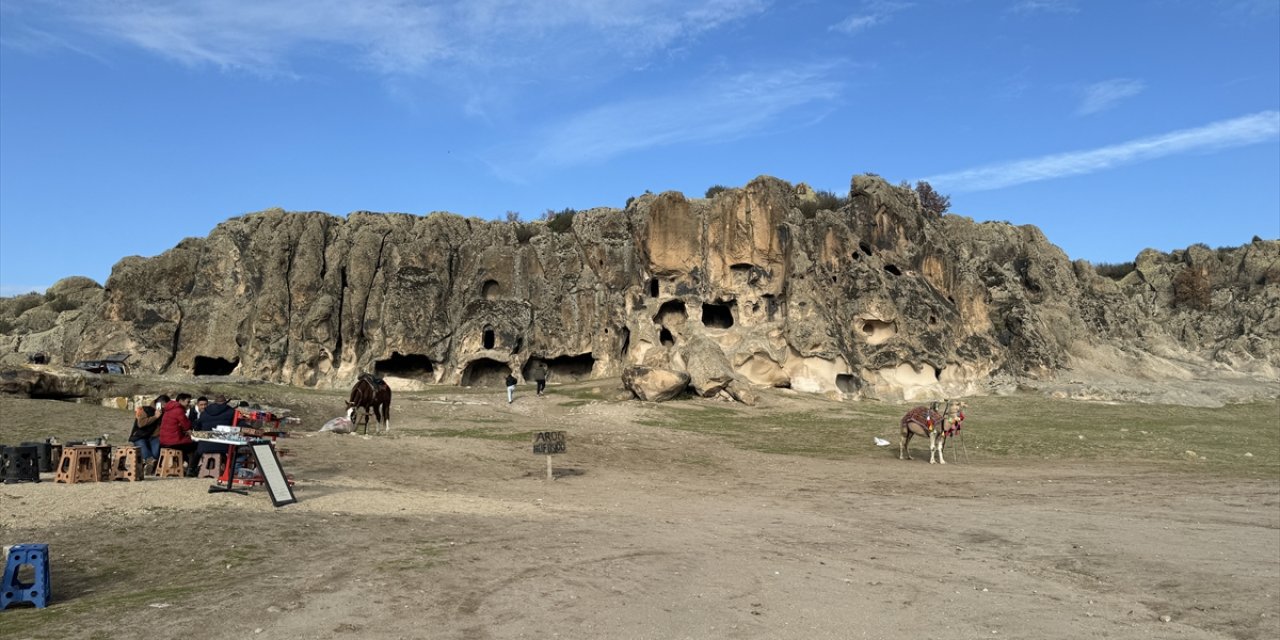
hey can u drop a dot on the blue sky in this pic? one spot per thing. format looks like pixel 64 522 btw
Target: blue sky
pixel 1112 125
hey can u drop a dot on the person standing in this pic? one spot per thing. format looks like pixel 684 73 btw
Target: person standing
pixel 175 430
pixel 511 388
pixel 146 420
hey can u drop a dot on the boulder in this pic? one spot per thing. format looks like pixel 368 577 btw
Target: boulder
pixel 654 385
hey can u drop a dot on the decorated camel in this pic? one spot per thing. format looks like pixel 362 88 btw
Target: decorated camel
pixel 926 421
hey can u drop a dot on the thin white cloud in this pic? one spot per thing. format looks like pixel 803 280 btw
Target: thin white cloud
pixel 1045 6
pixel 734 107
pixel 389 36
pixel 1245 130
pixel 1104 95
pixel 872 13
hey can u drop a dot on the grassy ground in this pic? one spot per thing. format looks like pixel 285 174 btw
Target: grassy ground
pixel 1025 426
pixel 1016 427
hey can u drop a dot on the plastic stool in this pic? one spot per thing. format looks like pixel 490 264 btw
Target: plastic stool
pixel 170 463
pixel 14 591
pixel 20 464
pixel 79 464
pixel 42 455
pixel 125 464
pixel 210 466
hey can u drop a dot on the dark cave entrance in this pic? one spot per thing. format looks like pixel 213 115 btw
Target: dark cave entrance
pixel 564 368
pixel 487 340
pixel 846 383
pixel 666 338
pixel 572 367
pixel 718 316
pixel 626 339
pixel 491 290
pixel 485 372
pixel 207 366
pixel 409 365
pixel 671 309
pixel 653 287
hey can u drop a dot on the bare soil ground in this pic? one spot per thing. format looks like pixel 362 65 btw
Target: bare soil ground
pixel 692 519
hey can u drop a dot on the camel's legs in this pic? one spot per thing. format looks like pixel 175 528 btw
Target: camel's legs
pixel 903 452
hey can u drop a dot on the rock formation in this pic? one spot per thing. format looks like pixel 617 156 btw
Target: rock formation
pixel 755 286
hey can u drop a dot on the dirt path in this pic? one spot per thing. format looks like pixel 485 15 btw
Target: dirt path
pixel 651 533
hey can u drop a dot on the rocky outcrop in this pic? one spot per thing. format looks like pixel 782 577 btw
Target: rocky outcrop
pixel 755 286
pixel 654 385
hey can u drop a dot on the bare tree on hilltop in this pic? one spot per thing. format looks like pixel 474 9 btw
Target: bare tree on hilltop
pixel 932 201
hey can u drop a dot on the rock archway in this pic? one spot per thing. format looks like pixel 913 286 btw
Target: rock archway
pixel 484 372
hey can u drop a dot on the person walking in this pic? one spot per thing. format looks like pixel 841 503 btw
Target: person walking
pixel 540 375
pixel 511 388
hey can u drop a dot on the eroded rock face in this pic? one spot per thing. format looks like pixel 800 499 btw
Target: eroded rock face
pixel 751 287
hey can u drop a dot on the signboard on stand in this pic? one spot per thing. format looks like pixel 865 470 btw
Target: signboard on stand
pixel 548 443
pixel 273 475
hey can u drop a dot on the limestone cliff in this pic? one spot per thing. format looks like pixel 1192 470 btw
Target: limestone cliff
pixel 750 287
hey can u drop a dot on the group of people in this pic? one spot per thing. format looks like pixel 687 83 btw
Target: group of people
pixel 168 422
pixel 538 372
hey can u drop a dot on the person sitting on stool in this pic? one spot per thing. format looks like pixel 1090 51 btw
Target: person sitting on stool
pixel 175 430
pixel 216 414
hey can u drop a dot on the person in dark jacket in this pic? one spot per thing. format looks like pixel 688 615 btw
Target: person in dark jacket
pixel 540 371
pixel 146 421
pixel 175 429
pixel 216 414
pixel 511 388
pixel 197 408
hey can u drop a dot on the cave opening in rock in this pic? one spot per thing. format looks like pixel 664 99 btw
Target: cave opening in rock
pixel 408 365
pixel 876 331
pixel 564 368
pixel 846 383
pixel 671 311
pixel 856 256
pixel 491 290
pixel 893 269
pixel 484 372
pixel 937 373
pixel 666 338
pixel 866 248
pixel 653 287
pixel 487 340
pixel 207 366
pixel 718 315
pixel 626 339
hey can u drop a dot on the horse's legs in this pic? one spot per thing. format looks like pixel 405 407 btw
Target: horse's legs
pixel 386 414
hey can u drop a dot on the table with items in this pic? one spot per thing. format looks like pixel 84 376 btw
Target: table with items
pixel 231 437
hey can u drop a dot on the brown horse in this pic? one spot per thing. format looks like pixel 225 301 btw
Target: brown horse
pixel 372 395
